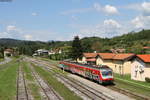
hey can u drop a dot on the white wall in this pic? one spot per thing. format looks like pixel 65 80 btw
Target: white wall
pixel 136 67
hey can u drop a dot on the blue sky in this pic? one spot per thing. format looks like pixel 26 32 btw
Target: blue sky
pixel 62 19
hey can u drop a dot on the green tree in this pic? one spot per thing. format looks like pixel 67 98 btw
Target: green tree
pixel 1 52
pixel 76 48
pixel 96 46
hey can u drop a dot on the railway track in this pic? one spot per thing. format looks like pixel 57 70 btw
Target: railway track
pixel 48 91
pixel 91 93
pixel 126 92
pixel 22 93
pixel 84 90
pixel 120 90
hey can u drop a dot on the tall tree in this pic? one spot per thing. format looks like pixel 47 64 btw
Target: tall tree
pixel 76 48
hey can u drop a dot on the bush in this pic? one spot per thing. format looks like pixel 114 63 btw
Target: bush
pixel 147 79
pixel 1 55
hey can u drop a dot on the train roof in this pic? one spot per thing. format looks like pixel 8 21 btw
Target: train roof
pixel 91 66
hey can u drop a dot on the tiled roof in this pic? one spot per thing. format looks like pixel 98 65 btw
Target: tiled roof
pixel 92 59
pixel 112 56
pixel 145 58
pixel 90 55
pixel 146 47
pixel 106 55
pixel 123 56
pixel 9 50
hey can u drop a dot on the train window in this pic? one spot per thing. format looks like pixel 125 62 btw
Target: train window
pixel 107 73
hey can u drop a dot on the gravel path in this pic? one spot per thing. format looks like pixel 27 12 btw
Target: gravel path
pixel 93 85
pixel 6 60
pixel 106 91
pixel 49 92
pixel 21 86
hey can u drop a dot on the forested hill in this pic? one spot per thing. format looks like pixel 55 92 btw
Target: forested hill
pixel 131 42
pixel 14 43
pixel 24 47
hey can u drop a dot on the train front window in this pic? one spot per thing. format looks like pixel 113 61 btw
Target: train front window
pixel 107 73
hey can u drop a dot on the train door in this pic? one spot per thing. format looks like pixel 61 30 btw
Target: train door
pixel 100 77
pixel 88 74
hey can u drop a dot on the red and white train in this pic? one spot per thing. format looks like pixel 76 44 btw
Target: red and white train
pixel 102 74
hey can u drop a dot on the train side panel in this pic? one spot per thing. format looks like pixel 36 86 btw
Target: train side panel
pixel 90 73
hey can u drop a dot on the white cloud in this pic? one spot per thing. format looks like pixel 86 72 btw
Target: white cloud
pixel 143 8
pixel 97 6
pixel 28 37
pixel 137 22
pixel 11 28
pixel 5 35
pixel 34 14
pixel 11 31
pixel 141 21
pixel 146 8
pixel 111 23
pixel 108 28
pixel 110 9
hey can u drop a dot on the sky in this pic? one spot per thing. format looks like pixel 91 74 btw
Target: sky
pixel 46 20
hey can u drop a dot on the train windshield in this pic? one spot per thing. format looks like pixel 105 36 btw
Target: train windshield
pixel 106 73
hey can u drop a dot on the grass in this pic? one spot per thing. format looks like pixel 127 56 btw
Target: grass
pixel 58 86
pixel 49 60
pixel 128 78
pixel 8 83
pixel 55 63
pixel 32 86
pixel 126 83
pixel 1 59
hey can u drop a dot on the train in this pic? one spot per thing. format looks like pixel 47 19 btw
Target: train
pixel 102 74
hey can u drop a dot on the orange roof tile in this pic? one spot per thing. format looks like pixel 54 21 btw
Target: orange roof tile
pixel 92 59
pixel 123 56
pixel 112 56
pixel 90 55
pixel 146 47
pixel 9 50
pixel 106 55
pixel 145 58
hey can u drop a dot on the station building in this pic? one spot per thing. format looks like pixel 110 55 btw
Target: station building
pixel 138 66
pixel 8 52
pixel 119 63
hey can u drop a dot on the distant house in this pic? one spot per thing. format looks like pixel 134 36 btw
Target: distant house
pixel 120 63
pixel 41 52
pixel 51 52
pixel 140 67
pixel 8 52
pixel 146 49
pixel 119 50
pixel 55 51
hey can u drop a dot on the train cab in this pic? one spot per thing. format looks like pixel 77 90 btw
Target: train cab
pixel 107 74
